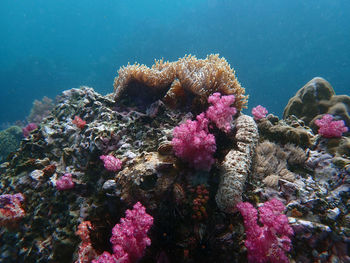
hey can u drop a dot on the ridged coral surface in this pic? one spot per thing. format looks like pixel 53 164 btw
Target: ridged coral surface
pixel 236 165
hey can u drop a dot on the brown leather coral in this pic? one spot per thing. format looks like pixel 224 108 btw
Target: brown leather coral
pixel 315 99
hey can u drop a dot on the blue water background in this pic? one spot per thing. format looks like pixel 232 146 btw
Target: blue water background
pixel 275 46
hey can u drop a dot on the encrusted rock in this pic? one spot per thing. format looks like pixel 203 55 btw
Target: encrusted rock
pixel 316 98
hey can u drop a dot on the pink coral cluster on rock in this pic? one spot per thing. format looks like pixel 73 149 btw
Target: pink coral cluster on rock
pixel 10 209
pixel 329 128
pixel 65 182
pixel 259 112
pixel 129 237
pixel 111 163
pixel 269 241
pixel 30 127
pixel 221 112
pixel 193 143
pixel 79 122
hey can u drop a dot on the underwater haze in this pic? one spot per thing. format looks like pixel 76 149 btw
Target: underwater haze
pixel 274 46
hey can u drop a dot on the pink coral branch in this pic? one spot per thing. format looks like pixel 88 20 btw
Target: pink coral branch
pixel 129 237
pixel 329 128
pixel 111 163
pixel 259 112
pixel 65 182
pixel 193 143
pixel 221 112
pixel 269 242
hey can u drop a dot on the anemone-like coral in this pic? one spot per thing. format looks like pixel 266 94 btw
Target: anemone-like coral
pixel 188 79
pixel 289 130
pixel 271 162
pixel 143 85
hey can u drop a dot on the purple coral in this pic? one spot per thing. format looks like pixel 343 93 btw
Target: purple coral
pixel 221 112
pixel 111 163
pixel 270 241
pixel 30 127
pixel 193 143
pixel 259 112
pixel 329 128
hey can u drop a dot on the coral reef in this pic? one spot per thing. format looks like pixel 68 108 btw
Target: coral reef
pixel 188 79
pixel 221 112
pixel 316 98
pixel 130 236
pixel 71 202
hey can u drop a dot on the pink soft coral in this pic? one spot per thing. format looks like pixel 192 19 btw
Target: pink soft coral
pixel 269 242
pixel 111 163
pixel 193 143
pixel 65 182
pixel 221 112
pixel 130 236
pixel 330 128
pixel 259 112
pixel 30 127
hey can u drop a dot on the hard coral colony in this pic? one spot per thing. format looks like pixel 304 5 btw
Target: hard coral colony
pixel 198 165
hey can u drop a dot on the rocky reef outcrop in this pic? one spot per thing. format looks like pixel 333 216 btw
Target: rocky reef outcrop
pixel 193 210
